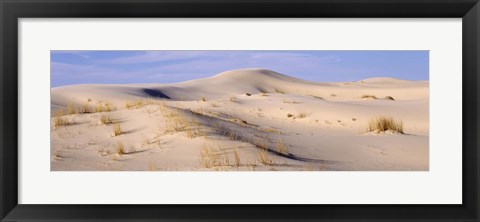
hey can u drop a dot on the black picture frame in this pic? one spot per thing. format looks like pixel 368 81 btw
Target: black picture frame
pixel 12 10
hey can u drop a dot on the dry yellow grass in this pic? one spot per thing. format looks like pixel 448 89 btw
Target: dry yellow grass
pixel 193 129
pixel 389 98
pixel 62 121
pixel 106 119
pixel 382 124
pixel 163 106
pixel 301 115
pixel 60 112
pixel 233 99
pixel 264 157
pixel 271 130
pixel 218 128
pixel 176 122
pixel 71 109
pixel 85 108
pixel 309 167
pixel 232 135
pixel 369 97
pixel 151 167
pixel 237 120
pixel 281 147
pixel 103 152
pixel 135 104
pixel 290 101
pixel 260 142
pixel 101 107
pixel 117 130
pixel 120 149
pixel 208 156
pixel 275 90
pixel 211 156
pixel 236 158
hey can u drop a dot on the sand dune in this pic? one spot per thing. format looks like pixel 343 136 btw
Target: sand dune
pixel 248 119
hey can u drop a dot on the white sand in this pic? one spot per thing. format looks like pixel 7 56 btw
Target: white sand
pixel 332 135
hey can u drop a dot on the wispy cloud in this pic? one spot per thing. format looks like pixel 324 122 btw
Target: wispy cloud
pixel 176 66
pixel 156 56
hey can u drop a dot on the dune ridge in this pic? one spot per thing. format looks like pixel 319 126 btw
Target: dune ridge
pixel 237 82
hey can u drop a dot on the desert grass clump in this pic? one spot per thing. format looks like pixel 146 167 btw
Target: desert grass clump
pixel 60 112
pixel 383 124
pixel 211 156
pixel 176 122
pixel 309 167
pixel 103 152
pixel 236 158
pixel 85 108
pixel 101 107
pixel 264 157
pixel 151 167
pixel 289 115
pixel 106 119
pixel 203 99
pixel 218 128
pixel 120 149
pixel 369 97
pixel 333 95
pixel 248 94
pixel 282 148
pixel 230 134
pixel 62 121
pixel 275 90
pixel 301 115
pixel 134 104
pixel 71 109
pixel 389 98
pixel 290 101
pixel 173 126
pixel 260 142
pixel 117 129
pixel 233 99
pixel 193 129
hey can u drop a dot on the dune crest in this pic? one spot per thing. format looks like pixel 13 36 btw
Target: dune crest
pixel 238 82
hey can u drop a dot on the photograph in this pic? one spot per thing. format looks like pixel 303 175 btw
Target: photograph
pixel 239 110
pixel 218 108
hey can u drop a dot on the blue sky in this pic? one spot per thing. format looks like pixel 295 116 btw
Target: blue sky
pixel 123 67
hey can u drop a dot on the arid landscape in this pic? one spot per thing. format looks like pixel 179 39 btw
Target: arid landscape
pixel 242 120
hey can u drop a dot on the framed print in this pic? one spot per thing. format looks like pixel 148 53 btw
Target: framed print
pixel 268 110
